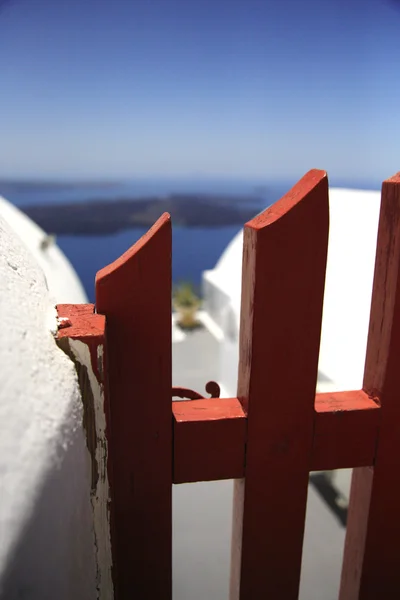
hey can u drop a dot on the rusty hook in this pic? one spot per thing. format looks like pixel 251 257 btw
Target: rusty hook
pixel 212 388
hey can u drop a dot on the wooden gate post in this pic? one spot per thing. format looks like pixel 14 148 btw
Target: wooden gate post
pixel 371 567
pixel 134 294
pixel 284 265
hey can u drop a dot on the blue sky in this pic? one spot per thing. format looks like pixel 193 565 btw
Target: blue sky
pixel 249 89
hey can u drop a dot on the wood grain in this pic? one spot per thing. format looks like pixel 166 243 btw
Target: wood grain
pixel 345 430
pixel 134 293
pixel 371 567
pixel 284 261
pixel 209 439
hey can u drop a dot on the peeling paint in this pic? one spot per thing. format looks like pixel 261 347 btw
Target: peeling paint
pixel 94 422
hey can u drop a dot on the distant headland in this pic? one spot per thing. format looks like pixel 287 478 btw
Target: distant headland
pixel 36 186
pixel 108 216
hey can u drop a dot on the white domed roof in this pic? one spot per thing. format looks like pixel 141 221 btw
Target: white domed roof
pixel 232 253
pixel 354 217
pixel 62 281
pixel 229 265
pixel 228 272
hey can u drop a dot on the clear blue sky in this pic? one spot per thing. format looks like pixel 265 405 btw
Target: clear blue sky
pixel 233 88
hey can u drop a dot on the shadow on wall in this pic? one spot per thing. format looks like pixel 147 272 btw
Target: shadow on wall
pixel 330 495
pixel 54 555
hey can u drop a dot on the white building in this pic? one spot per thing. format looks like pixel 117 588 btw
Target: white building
pixel 49 543
pixel 354 216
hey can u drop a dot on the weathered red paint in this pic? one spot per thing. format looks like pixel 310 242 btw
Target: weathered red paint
pixel 210 435
pixel 284 265
pixel 209 439
pixel 80 322
pixel 345 430
pixel 134 293
pixel 371 567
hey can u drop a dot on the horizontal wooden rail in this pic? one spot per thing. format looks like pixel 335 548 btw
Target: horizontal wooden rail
pixel 209 439
pixel 345 431
pixel 210 435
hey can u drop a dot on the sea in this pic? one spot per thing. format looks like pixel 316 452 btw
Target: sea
pixel 194 250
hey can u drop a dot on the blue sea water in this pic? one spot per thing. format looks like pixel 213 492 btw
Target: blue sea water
pixel 194 249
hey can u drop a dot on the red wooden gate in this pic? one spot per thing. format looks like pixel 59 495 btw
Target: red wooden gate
pixel 277 429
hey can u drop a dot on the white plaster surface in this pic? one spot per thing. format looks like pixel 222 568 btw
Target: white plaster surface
pixel 354 216
pixel 46 521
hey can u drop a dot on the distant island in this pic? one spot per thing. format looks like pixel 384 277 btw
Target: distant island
pixel 102 217
pixel 36 186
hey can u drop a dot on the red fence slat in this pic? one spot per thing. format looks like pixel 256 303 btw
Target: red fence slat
pixel 284 265
pixel 134 293
pixel 371 567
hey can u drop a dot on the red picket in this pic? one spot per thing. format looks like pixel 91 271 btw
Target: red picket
pixel 282 295
pixel 134 294
pixel 371 567
pixel 276 431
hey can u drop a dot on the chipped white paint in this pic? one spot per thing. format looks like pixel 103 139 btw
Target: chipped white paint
pixel 47 546
pixel 100 497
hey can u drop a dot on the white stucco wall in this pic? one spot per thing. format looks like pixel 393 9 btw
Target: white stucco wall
pixel 46 520
pixel 353 229
pixel 354 216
